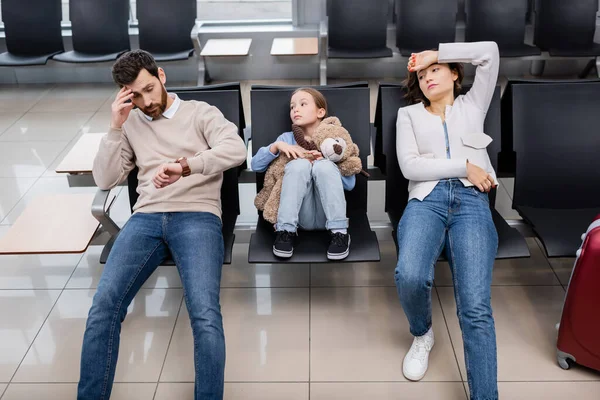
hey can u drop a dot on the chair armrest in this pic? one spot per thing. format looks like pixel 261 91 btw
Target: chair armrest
pixel 323 37
pixel 323 28
pixel 100 212
pixel 194 35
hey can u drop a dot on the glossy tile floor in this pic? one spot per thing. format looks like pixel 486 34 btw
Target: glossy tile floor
pixel 293 332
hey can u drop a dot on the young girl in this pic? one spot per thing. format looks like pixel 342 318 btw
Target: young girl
pixel 441 149
pixel 312 195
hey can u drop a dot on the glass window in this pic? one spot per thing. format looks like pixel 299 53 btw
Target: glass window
pixel 217 10
pixel 220 10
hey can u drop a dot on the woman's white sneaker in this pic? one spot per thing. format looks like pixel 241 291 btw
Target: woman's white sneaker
pixel 416 360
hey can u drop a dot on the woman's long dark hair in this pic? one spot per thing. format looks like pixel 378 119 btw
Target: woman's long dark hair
pixel 415 95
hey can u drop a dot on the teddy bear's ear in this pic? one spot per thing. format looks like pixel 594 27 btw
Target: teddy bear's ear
pixel 332 121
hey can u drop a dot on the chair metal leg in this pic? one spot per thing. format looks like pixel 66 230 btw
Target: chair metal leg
pixel 323 72
pixel 588 68
pixel 537 67
pixel 323 46
pixel 99 212
pixel 202 72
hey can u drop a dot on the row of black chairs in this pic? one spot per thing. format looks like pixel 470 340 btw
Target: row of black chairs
pixel 358 29
pixel 270 116
pixel 557 171
pixel 100 30
pixel 553 129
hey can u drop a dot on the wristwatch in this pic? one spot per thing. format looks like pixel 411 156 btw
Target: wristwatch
pixel 185 168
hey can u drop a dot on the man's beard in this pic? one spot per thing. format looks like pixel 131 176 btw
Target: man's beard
pixel 156 110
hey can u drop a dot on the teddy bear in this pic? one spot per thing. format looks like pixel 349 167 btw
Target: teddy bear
pixel 335 144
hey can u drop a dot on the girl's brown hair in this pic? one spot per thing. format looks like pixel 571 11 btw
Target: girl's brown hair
pixel 415 95
pixel 317 97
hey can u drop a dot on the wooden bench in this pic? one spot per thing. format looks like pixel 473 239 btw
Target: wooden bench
pixel 231 49
pixel 304 46
pixel 64 223
pixel 78 162
pixel 80 158
pixel 226 47
pixel 60 223
pixel 296 51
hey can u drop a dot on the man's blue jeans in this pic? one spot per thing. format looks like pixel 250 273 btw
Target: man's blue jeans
pixel 457 218
pixel 196 243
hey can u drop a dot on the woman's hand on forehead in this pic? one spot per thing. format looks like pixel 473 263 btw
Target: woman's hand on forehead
pixel 420 61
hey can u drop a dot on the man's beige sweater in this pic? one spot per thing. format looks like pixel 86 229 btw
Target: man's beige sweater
pixel 197 131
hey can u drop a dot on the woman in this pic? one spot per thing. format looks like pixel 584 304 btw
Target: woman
pixel 441 150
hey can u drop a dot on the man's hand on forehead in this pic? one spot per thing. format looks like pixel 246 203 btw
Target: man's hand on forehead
pixel 121 108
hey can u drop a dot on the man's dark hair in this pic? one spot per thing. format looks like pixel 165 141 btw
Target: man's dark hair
pixel 128 66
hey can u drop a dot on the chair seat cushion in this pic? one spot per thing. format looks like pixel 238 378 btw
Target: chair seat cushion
pixel 13 60
pixel 311 246
pixel 559 230
pixel 358 53
pixel 511 244
pixel 77 57
pixel 592 51
pixel 178 56
pixel 518 50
